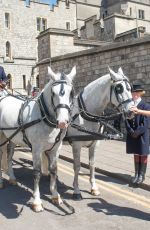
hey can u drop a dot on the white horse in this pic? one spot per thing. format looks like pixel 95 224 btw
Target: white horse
pixel 40 123
pixel 112 88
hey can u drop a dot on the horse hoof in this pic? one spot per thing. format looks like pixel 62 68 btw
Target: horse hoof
pixel 77 196
pixel 57 201
pixel 95 192
pixel 1 185
pixel 12 182
pixel 37 207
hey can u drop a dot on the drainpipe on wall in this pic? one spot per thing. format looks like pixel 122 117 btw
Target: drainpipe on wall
pixel 137 30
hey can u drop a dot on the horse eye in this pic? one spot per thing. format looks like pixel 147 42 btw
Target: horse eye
pixel 119 89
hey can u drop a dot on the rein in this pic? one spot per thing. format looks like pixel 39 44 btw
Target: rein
pixel 102 120
pixel 92 117
pixel 18 129
pixel 46 116
pixel 95 135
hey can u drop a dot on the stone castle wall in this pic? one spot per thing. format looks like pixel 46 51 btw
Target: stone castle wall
pixel 133 57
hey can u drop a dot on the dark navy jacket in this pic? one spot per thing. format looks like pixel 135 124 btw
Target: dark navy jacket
pixel 137 141
pixel 2 74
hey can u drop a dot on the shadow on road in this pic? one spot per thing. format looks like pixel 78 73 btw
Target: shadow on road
pixel 112 209
pixel 20 196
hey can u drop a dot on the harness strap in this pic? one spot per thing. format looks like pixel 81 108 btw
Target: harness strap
pixel 84 114
pixel 98 135
pixel 57 139
pixel 62 106
pixel 45 113
pixel 20 128
pixel 20 122
pixel 91 117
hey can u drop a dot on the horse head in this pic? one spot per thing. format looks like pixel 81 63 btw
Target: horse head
pixel 121 95
pixel 62 94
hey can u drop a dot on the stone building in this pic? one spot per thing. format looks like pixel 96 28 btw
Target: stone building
pixel 21 21
pixel 32 32
pixel 117 18
pixel 86 9
pixel 133 56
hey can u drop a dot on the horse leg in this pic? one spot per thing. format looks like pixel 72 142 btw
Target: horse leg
pixel 3 158
pixel 76 155
pixel 1 179
pixel 37 203
pixel 10 152
pixel 53 158
pixel 92 150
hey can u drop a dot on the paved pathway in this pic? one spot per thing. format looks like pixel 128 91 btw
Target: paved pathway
pixel 111 159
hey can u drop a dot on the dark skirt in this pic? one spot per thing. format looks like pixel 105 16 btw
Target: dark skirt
pixel 139 145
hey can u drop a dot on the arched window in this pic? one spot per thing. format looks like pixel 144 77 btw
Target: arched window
pixel 37 81
pixel 9 82
pixel 8 50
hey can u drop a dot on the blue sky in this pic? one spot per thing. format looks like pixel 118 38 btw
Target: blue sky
pixel 53 1
pixel 49 1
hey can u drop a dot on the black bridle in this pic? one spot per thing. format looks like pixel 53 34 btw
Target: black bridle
pixel 118 90
pixel 61 82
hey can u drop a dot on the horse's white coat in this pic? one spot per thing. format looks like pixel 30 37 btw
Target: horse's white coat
pixel 41 136
pixel 96 97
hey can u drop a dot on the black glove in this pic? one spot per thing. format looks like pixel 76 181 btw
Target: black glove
pixel 134 135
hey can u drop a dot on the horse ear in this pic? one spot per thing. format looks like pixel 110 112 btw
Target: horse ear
pixel 52 74
pixel 120 71
pixel 113 75
pixel 72 74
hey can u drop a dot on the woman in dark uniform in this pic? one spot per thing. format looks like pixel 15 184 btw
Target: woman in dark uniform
pixel 137 141
pixel 3 77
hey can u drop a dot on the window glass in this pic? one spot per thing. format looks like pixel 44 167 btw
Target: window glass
pixel 37 81
pixel 24 82
pixel 141 14
pixel 130 11
pixel 67 25
pixel 41 24
pixel 8 50
pixel 44 24
pixel 9 82
pixel 7 20
pixel 38 24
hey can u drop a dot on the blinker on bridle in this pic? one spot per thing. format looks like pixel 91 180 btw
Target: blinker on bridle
pixel 118 89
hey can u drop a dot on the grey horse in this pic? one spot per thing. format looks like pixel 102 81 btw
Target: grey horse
pixel 44 121
pixel 112 88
